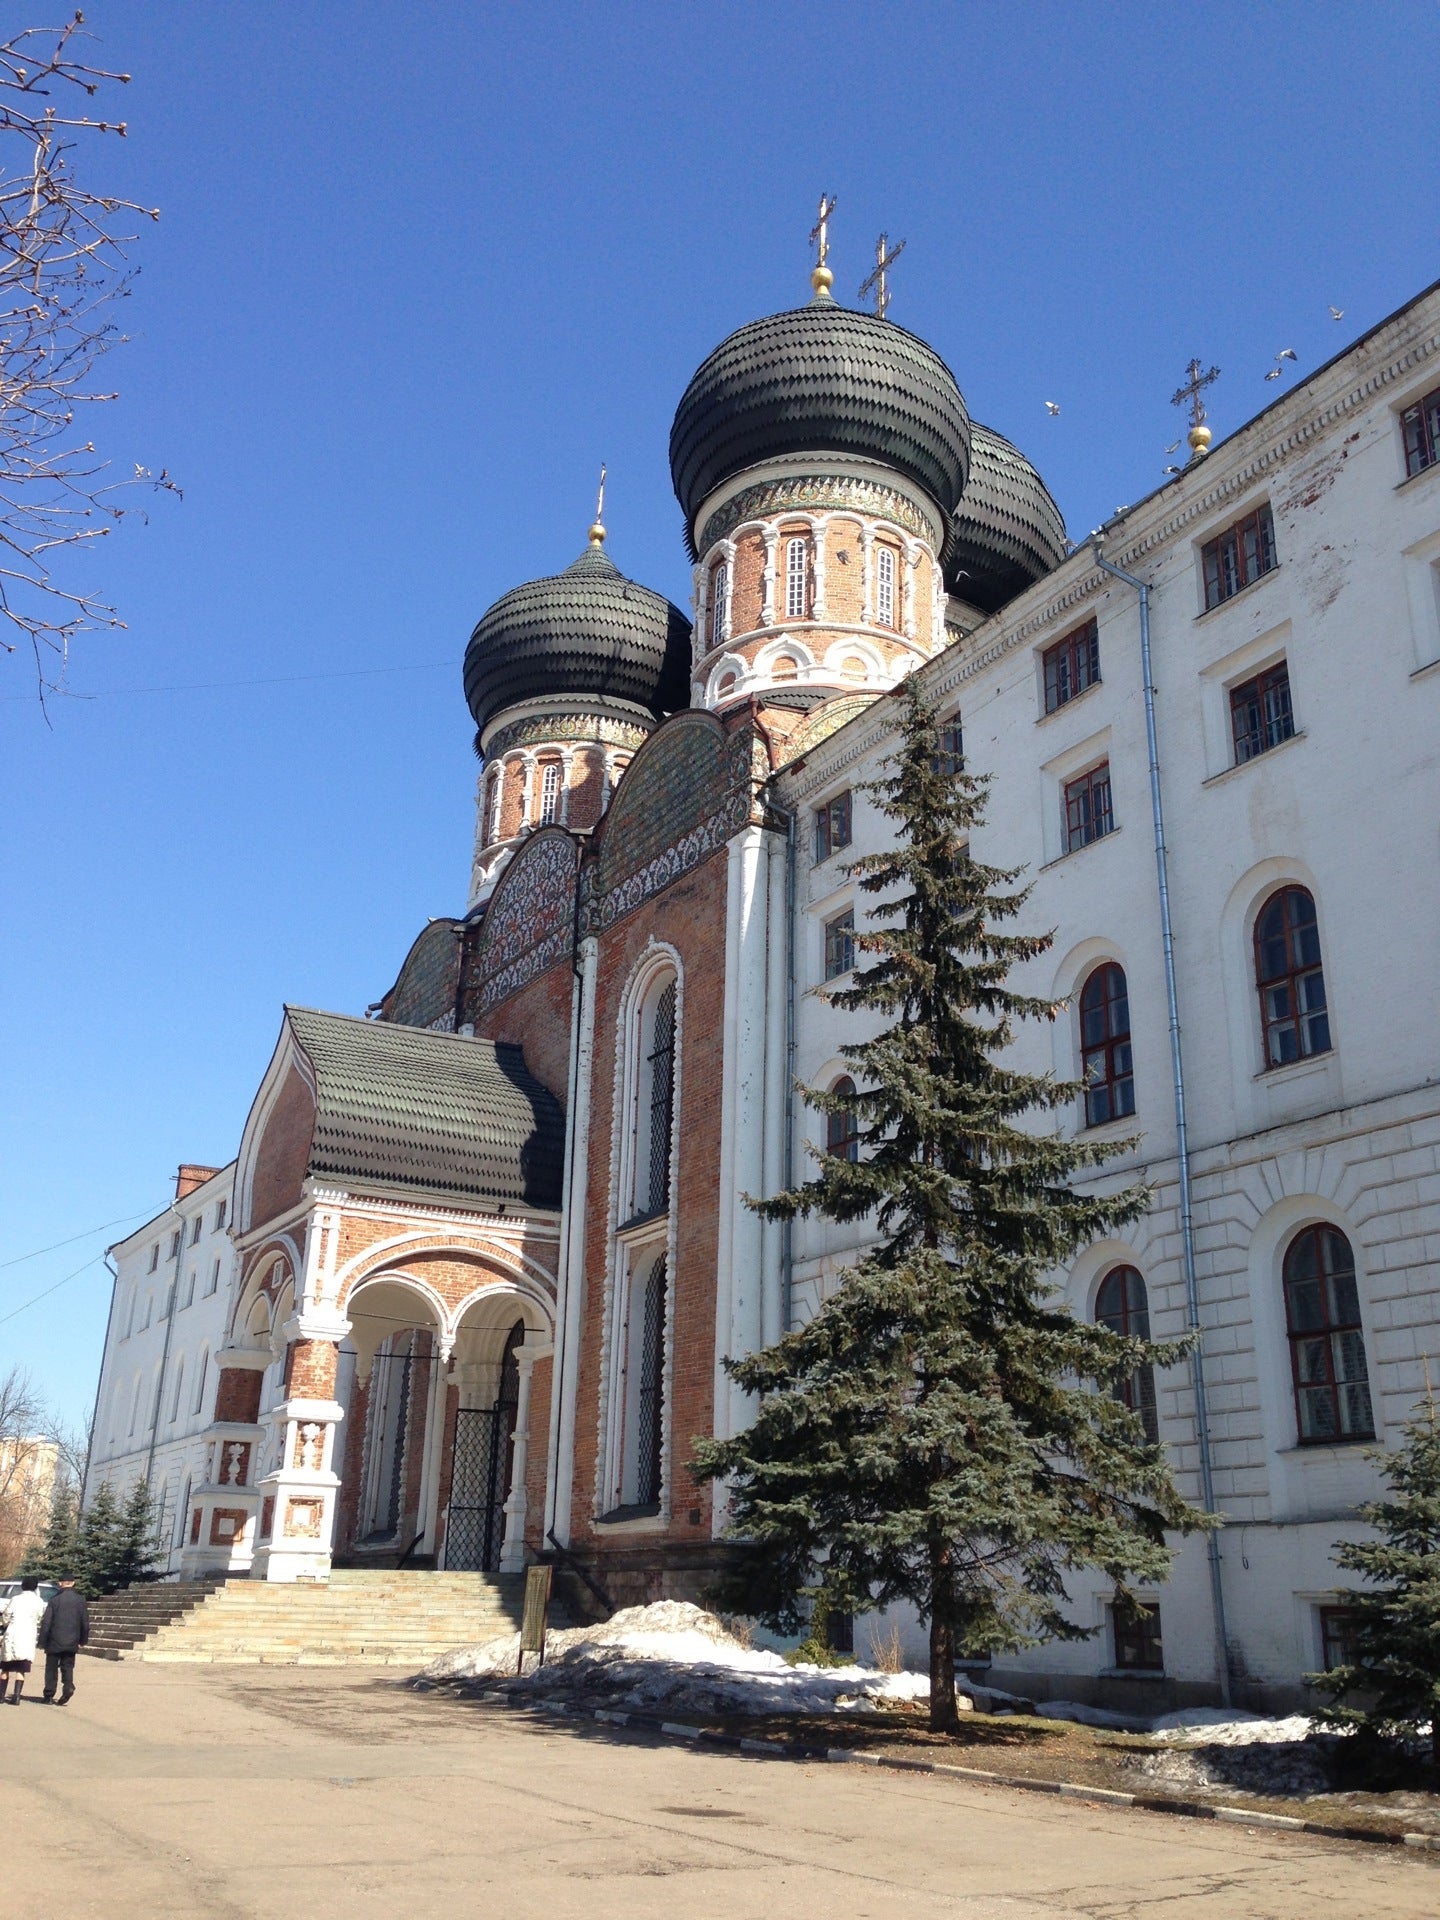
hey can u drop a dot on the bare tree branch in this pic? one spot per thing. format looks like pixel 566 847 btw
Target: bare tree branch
pixel 63 267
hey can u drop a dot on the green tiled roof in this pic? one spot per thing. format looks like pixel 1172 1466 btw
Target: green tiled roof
pixel 405 1109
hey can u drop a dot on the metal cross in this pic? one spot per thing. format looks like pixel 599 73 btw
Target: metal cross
pixel 820 232
pixel 1189 394
pixel 600 497
pixel 878 282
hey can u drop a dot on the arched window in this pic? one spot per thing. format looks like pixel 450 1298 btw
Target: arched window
pixel 649 1324
pixel 842 1129
pixel 179 1385
pixel 1122 1305
pixel 1290 979
pixel 493 799
pixel 719 589
pixel 1327 1345
pixel 1105 1063
pixel 550 792
pixel 885 586
pixel 135 1404
pixel 797 576
pixel 656 1112
pixel 725 686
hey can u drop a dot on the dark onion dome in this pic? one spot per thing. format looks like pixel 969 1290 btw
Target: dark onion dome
pixel 587 630
pixel 1007 531
pixel 820 379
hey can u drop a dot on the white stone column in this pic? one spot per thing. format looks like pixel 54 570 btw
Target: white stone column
pixel 728 620
pixel 818 525
pixel 767 596
pixel 570 1286
pixel 867 568
pixel 912 555
pixel 700 575
pixel 567 767
pixel 527 799
pixel 512 1552
pixel 429 1514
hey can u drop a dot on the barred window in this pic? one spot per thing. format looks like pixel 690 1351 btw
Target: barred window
pixel 832 826
pixel 1136 1631
pixel 797 577
pixel 840 944
pixel 550 792
pixel 1338 1630
pixel 885 586
pixel 1123 1306
pixel 1420 428
pixel 1238 556
pixel 1260 713
pixel 650 1386
pixel 654 1180
pixel 1088 814
pixel 719 587
pixel 1290 978
pixel 1327 1344
pixel 1071 665
pixel 842 1128
pixel 1105 1061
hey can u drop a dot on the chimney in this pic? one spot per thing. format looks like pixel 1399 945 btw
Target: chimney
pixel 188 1178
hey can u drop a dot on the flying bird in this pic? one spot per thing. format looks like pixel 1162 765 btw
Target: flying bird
pixel 1287 353
pixel 1173 449
pixel 1051 408
pixel 1337 313
pixel 1273 374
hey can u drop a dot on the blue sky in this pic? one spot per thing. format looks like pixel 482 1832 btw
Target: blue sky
pixel 419 270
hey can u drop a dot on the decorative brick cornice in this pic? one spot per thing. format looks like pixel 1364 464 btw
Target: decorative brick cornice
pixel 582 728
pixel 809 493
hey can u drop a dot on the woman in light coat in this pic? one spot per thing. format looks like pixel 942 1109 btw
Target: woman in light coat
pixel 19 1624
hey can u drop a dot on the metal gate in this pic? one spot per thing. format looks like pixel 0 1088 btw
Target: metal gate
pixel 480 1475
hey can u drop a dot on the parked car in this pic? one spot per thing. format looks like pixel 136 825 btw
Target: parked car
pixel 47 1590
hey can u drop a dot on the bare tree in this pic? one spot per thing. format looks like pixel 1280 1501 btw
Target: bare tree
pixel 63 268
pixel 27 1463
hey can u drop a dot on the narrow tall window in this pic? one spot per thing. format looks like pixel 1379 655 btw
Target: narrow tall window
pixel 1327 1344
pixel 175 1240
pixel 493 800
pixel 190 1288
pixel 1088 814
pixel 179 1384
pixel 1260 714
pixel 1339 1628
pixel 885 586
pixel 1122 1305
pixel 1239 556
pixel 200 1378
pixel 220 1212
pixel 950 749
pixel 650 1391
pixel 1105 1060
pixel 550 793
pixel 1071 665
pixel 840 944
pixel 196 1228
pixel 797 573
pixel 842 1128
pixel 719 588
pixel 660 1075
pixel 832 826
pixel 1420 427
pixel 1290 978
pixel 154 1257
pixel 213 1284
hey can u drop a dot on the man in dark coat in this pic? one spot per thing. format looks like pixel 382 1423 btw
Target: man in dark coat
pixel 64 1629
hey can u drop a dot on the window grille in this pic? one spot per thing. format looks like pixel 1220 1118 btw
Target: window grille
pixel 842 1129
pixel 1290 978
pixel 796 578
pixel 1420 428
pixel 1088 813
pixel 840 944
pixel 832 826
pixel 1327 1344
pixel 1238 557
pixel 1123 1306
pixel 1138 1647
pixel 1260 714
pixel 550 792
pixel 661 1063
pixel 650 1396
pixel 719 586
pixel 1071 665
pixel 1105 1060
pixel 885 587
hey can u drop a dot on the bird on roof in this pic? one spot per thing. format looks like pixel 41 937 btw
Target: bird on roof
pixel 1337 313
pixel 1173 469
pixel 1051 408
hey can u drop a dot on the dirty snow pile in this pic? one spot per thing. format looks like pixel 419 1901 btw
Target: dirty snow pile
pixel 673 1657
pixel 1229 1727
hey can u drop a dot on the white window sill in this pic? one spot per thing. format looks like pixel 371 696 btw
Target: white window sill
pixel 1131 1673
pixel 1068 706
pixel 1425 473
pixel 1073 852
pixel 1430 666
pixel 646 1523
pixel 1208 613
pixel 1317 1063
pixel 1325 1449
pixel 1244 766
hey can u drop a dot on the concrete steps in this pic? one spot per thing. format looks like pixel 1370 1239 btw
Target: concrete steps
pixel 361 1618
pixel 123 1620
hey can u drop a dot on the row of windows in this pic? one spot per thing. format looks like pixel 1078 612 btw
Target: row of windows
pixel 1137 1646
pixel 197 1227
pixel 799 577
pixel 195 1403
pixel 212 1285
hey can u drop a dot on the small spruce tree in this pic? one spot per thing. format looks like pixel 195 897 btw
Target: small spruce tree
pixel 1390 1688
pixel 98 1542
pixel 137 1544
pixel 57 1551
pixel 933 1434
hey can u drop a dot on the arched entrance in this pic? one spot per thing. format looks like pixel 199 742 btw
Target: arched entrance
pixel 483 1464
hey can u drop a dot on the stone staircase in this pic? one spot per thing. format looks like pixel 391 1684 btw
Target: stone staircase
pixel 121 1620
pixel 363 1617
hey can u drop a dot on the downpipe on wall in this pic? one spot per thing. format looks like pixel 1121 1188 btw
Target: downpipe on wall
pixel 1182 1137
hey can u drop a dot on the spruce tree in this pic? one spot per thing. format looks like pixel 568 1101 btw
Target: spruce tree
pixel 934 1434
pixel 137 1545
pixel 1392 1680
pixel 57 1551
pixel 98 1542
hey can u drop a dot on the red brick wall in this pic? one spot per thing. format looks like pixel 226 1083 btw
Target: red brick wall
pixel 536 1460
pixel 310 1369
pixel 284 1152
pixel 537 1018
pixel 350 1455
pixel 237 1394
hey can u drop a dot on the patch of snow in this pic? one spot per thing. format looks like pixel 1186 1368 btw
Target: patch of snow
pixel 1229 1727
pixel 1090 1716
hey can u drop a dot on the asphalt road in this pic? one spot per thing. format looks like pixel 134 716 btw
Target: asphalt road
pixel 236 1794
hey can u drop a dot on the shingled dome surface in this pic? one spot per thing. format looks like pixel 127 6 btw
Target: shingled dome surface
pixel 587 630
pixel 1007 531
pixel 820 379
pixel 407 1110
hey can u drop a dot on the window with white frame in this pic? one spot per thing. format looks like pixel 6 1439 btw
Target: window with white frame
pixel 220 1211
pixel 719 590
pixel 797 575
pixel 212 1285
pixel 655 1102
pixel 644 1430
pixel 550 793
pixel 885 586
pixel 492 823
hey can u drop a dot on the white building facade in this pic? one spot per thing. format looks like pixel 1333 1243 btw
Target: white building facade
pixel 174 1288
pixel 1293 580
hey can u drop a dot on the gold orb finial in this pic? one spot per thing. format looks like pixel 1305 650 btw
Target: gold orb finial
pixel 822 279
pixel 1199 437
pixel 597 535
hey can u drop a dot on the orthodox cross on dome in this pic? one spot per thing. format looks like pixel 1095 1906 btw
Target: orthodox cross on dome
pixel 822 279
pixel 1189 395
pixel 597 531
pixel 879 282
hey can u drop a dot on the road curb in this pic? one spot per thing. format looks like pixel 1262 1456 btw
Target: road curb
pixel 843 1756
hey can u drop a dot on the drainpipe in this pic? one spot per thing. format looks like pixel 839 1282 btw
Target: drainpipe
pixel 1182 1138
pixel 172 1306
